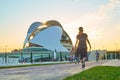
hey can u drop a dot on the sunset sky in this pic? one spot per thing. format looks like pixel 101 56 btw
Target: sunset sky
pixel 100 19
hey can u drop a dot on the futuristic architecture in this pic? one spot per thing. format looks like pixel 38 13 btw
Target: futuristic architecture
pixel 49 35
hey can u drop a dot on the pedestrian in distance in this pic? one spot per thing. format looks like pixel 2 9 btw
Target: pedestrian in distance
pixel 81 46
pixel 97 56
pixel 72 54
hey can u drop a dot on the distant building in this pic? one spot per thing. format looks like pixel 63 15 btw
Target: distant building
pixel 15 50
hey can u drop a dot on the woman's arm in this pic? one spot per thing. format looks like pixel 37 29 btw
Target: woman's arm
pixel 76 43
pixel 89 43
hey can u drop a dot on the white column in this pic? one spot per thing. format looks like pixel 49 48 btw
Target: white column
pixel 54 54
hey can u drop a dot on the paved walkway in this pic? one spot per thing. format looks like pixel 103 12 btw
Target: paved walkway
pixel 49 72
pixel 114 62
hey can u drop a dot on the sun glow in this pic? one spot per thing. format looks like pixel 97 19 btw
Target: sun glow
pixel 95 35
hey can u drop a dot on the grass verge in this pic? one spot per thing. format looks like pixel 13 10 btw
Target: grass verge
pixel 28 65
pixel 97 73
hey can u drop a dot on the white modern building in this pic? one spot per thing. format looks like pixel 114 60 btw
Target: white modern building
pixel 49 35
pixel 48 40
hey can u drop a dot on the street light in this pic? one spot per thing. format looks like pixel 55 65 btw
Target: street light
pixel 5 54
pixel 31 57
pixel 94 45
pixel 116 46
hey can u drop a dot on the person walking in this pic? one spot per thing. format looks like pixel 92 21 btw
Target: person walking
pixel 81 46
pixel 72 54
pixel 97 56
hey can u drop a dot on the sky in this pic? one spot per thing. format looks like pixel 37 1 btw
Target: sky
pixel 99 18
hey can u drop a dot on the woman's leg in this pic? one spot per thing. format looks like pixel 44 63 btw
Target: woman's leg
pixel 83 58
pixel 83 62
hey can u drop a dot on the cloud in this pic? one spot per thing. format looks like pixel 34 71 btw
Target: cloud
pixel 98 24
pixel 104 9
pixel 99 16
pixel 103 17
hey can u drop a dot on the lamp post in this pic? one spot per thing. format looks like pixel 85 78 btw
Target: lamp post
pixel 116 46
pixel 60 56
pixel 94 45
pixel 5 54
pixel 116 49
pixel 0 49
pixel 31 57
pixel 119 55
pixel 21 55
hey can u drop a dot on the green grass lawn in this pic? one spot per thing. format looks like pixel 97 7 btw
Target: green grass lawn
pixel 97 73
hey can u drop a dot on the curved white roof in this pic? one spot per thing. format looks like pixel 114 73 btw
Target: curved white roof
pixel 48 40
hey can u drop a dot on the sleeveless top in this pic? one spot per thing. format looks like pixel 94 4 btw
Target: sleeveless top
pixel 82 41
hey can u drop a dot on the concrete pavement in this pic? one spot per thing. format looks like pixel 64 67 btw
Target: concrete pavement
pixel 49 72
pixel 114 62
